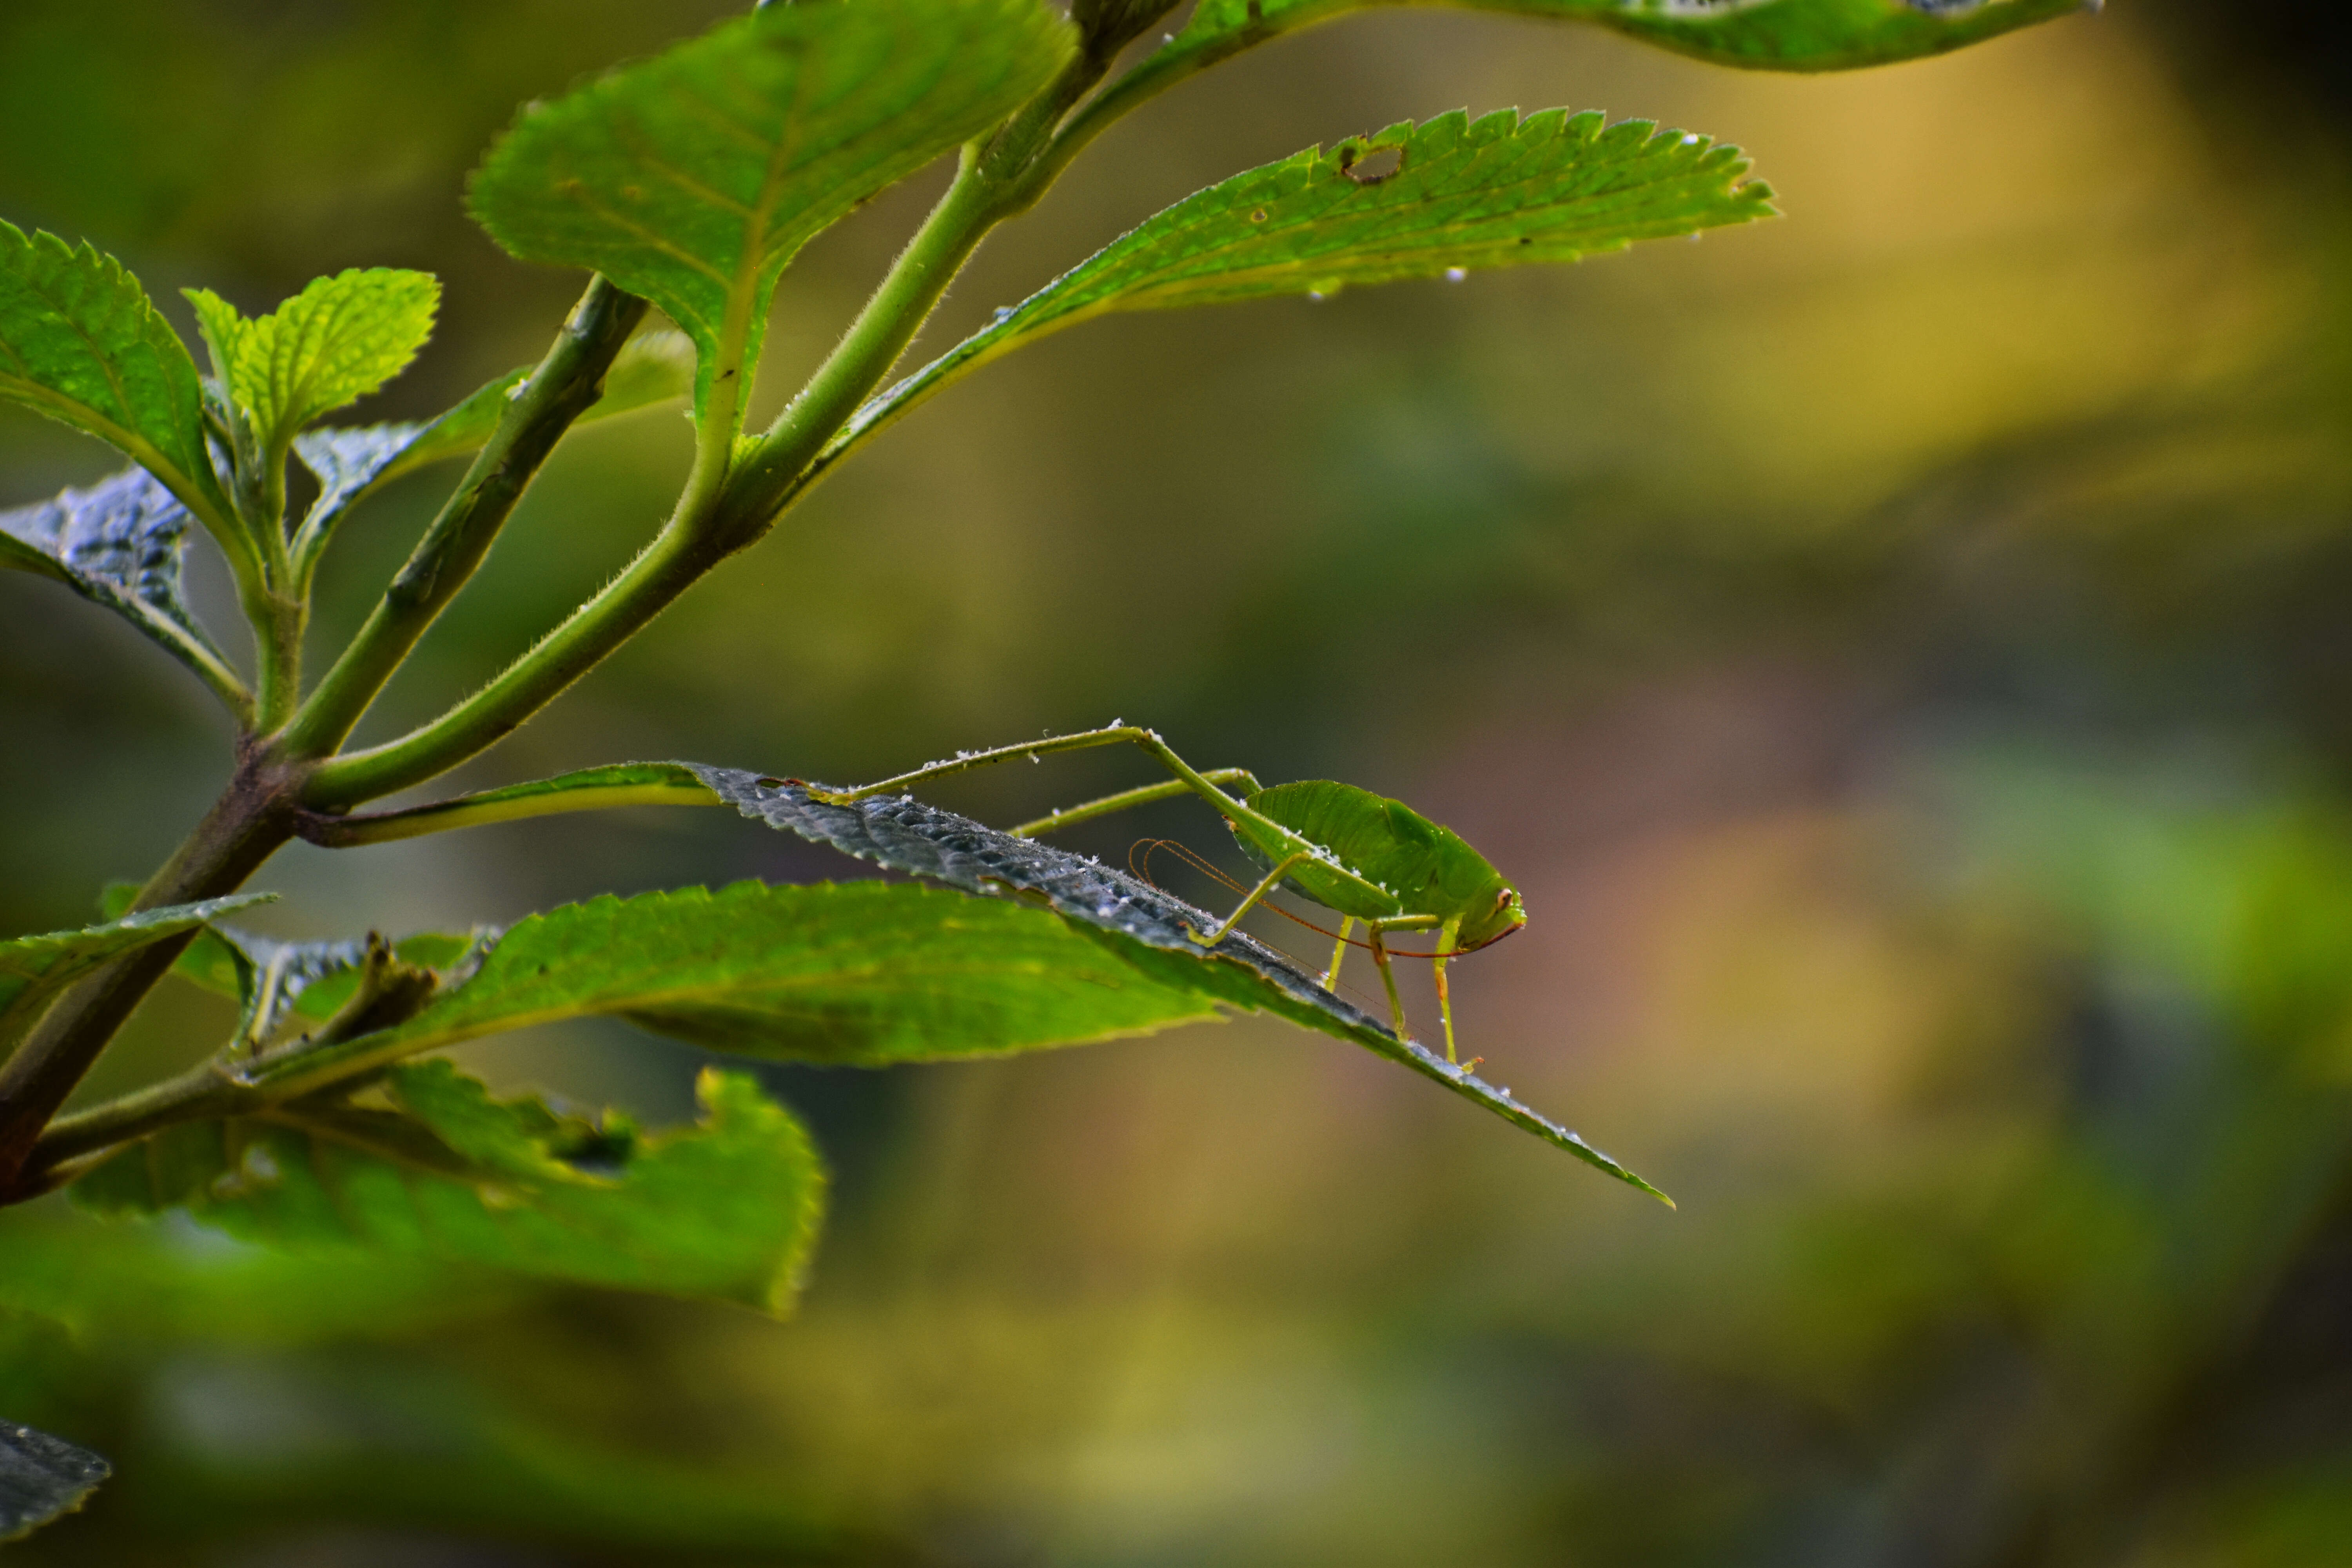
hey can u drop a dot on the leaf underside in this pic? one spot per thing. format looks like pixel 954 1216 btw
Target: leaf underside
pixel 1450 197
pixel 119 544
pixel 35 968
pixel 693 177
pixel 81 342
pixel 725 1209
pixel 42 1478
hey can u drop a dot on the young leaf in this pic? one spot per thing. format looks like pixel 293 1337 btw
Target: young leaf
pixel 118 543
pixel 339 340
pixel 33 969
pixel 42 1478
pixel 80 342
pixel 724 1210
pixel 1446 197
pixel 1149 929
pixel 693 177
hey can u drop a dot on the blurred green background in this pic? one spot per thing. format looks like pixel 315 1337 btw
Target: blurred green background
pixel 1902 652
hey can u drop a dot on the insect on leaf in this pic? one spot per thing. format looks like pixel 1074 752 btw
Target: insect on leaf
pixel 1449 196
pixel 724 1210
pixel 1150 930
pixel 81 342
pixel 42 1478
pixel 693 177
pixel 33 969
pixel 871 973
pixel 119 544
pixel 337 341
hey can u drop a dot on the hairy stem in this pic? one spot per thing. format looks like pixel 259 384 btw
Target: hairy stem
pixel 566 384
pixel 252 818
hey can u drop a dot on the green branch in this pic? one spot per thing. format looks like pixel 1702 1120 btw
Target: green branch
pixel 567 381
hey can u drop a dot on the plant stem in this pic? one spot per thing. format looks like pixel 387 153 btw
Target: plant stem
pixel 566 384
pixel 252 818
pixel 710 524
pixel 865 354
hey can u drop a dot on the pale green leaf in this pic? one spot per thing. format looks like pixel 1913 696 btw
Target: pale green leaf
pixel 693 177
pixel 340 339
pixel 33 969
pixel 81 342
pixel 725 1209
pixel 1451 196
pixel 119 544
pixel 42 1478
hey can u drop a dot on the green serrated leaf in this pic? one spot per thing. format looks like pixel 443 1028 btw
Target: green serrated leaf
pixel 1150 930
pixel 1450 197
pixel 339 340
pixel 42 1478
pixel 725 1209
pixel 33 969
pixel 119 544
pixel 692 178
pixel 81 342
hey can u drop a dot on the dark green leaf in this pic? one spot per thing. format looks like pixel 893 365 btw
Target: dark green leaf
pixel 34 968
pixel 1448 197
pixel 693 177
pixel 339 340
pixel 119 544
pixel 725 1209
pixel 41 1477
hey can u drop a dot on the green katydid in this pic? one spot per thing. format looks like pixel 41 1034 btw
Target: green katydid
pixel 1363 855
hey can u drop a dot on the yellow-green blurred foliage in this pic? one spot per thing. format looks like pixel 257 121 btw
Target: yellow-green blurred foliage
pixel 1902 652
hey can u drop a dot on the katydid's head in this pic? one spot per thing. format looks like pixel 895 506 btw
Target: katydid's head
pixel 1494 917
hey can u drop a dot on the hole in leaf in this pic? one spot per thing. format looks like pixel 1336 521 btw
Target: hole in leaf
pixel 1369 166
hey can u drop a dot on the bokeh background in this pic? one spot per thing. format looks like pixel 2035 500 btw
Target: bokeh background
pixel 1903 651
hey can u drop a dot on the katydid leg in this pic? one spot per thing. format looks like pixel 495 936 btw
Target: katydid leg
pixel 1338 952
pixel 1377 930
pixel 1068 814
pixel 1265 885
pixel 1448 936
